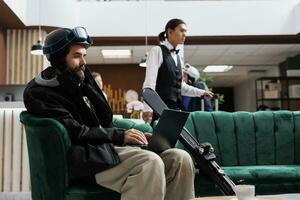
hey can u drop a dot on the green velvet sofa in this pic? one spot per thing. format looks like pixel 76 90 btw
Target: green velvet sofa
pixel 261 148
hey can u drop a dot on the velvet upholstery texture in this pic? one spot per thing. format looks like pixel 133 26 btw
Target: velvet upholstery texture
pixel 260 148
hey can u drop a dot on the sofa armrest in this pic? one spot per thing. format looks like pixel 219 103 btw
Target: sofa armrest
pixel 128 124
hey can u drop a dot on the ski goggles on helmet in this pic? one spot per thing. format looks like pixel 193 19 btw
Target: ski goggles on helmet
pixel 77 35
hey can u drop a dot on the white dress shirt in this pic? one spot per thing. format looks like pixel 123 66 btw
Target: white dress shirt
pixel 154 61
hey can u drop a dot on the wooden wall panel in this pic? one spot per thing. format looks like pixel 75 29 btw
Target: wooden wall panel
pixel 2 56
pixel 14 165
pixel 21 66
pixel 117 79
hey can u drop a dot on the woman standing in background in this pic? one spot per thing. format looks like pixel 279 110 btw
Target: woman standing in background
pixel 164 69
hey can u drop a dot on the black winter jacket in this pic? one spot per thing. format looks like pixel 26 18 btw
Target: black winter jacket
pixel 59 95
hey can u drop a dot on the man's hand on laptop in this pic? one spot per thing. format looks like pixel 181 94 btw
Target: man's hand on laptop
pixel 133 136
pixel 148 136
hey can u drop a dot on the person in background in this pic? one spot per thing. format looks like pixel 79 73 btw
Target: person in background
pixel 164 69
pixel 99 151
pixel 98 78
pixel 191 76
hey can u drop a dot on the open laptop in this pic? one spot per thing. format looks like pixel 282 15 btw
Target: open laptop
pixel 167 131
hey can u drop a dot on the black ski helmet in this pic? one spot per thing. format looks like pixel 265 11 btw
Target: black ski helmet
pixel 60 39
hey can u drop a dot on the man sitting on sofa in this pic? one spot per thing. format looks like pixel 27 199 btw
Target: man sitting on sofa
pixel 67 92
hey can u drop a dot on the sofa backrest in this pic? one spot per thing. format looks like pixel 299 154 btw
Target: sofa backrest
pixel 48 142
pixel 249 138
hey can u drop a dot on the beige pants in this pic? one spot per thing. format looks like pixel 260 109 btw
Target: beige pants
pixel 145 175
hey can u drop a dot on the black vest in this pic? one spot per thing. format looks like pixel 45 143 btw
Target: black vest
pixel 168 83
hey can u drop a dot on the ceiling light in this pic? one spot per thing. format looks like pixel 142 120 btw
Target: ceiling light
pixel 37 49
pixel 143 61
pixel 217 68
pixel 116 53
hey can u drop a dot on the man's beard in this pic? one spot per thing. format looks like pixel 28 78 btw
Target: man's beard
pixel 80 72
pixel 77 74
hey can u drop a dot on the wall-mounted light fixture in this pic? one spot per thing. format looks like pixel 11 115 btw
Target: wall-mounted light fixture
pixel 37 49
pixel 144 59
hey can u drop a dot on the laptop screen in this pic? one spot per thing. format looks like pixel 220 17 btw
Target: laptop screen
pixel 170 125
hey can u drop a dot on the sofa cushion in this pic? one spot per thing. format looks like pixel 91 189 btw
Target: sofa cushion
pixel 264 173
pixel 266 178
pixel 91 192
